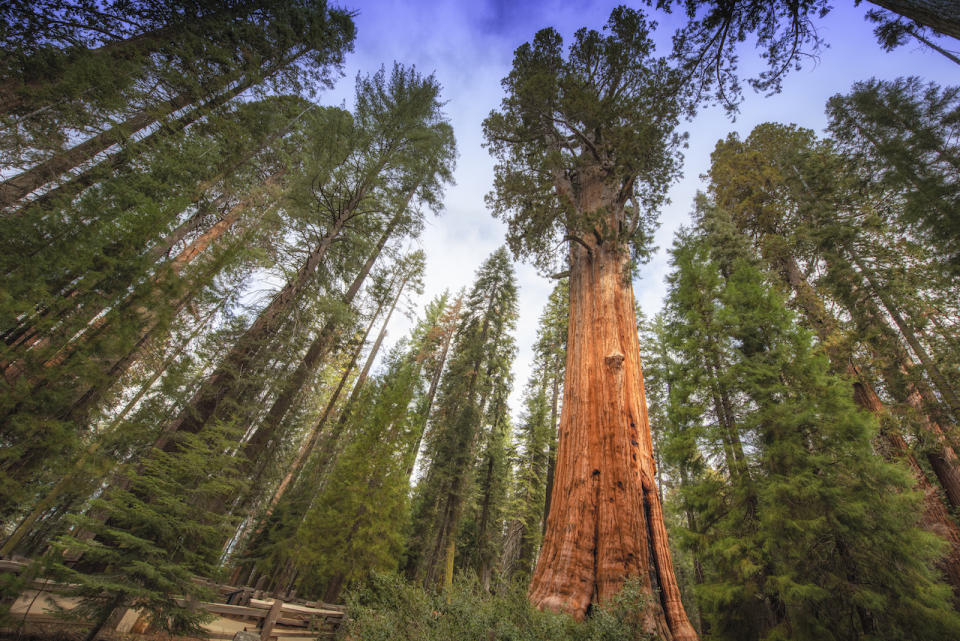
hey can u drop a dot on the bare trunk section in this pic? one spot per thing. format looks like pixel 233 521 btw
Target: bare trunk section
pixel 605 522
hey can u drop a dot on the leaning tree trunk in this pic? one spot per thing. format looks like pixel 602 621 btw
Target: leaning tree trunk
pixel 605 523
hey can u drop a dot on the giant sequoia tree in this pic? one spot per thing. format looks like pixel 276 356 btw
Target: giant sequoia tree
pixel 586 147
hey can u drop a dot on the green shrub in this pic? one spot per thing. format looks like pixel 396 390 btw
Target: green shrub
pixel 388 608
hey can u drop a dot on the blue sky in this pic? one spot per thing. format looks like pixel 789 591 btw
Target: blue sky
pixel 469 47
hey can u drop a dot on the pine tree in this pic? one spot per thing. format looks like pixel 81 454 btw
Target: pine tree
pixel 480 358
pixel 537 438
pixel 798 538
pixel 393 115
pixel 903 134
pixel 195 56
pixel 154 540
pixel 810 216
pixel 118 293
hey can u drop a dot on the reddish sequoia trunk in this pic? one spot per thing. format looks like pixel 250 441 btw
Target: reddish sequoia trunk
pixel 605 522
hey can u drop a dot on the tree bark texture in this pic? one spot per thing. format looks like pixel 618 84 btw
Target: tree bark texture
pixel 605 523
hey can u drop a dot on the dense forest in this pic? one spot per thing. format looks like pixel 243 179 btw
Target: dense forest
pixel 202 250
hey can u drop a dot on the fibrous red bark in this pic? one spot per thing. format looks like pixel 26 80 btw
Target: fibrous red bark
pixel 605 523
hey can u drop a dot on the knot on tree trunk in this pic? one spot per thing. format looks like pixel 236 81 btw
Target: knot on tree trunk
pixel 614 360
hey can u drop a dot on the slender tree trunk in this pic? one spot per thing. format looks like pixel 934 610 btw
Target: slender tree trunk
pixel 929 365
pixel 334 437
pixel 434 384
pixel 552 450
pixel 151 321
pixel 316 352
pixel 225 380
pixel 605 523
pixel 935 516
pixel 101 323
pixel 441 545
pixel 485 558
pixel 307 447
pixel 20 185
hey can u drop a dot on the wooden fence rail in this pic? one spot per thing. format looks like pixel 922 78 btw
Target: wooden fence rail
pixel 244 608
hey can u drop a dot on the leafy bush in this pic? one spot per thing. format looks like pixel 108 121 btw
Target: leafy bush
pixel 388 608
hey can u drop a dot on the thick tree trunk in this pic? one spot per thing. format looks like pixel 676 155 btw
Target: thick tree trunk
pixel 943 16
pixel 605 522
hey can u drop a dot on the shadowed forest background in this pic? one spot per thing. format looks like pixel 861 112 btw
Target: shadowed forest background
pixel 208 228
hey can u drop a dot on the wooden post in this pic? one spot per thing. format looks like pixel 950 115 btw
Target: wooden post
pixel 271 620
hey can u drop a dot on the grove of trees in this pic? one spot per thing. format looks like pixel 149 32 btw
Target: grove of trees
pixel 201 256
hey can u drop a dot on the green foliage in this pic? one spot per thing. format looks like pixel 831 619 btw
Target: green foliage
pixel 471 401
pixel 605 112
pixel 102 280
pixel 389 608
pixel 537 437
pixel 145 539
pixel 74 67
pixel 802 531
pixel 786 33
pixel 356 523
pixel 903 135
